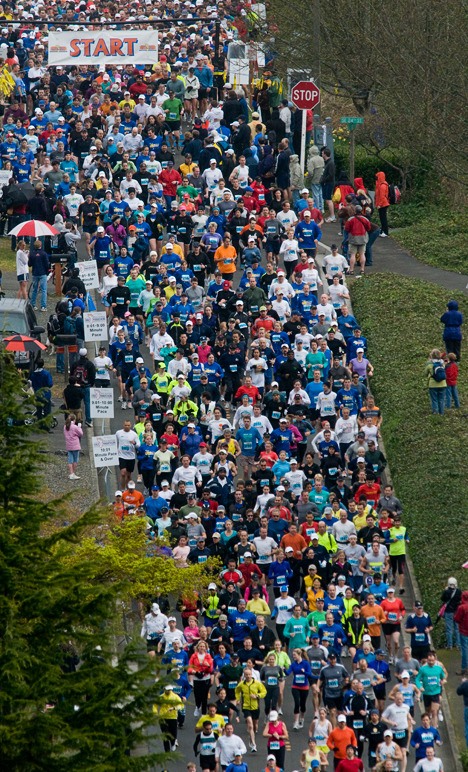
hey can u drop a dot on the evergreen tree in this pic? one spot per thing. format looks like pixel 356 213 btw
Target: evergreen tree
pixel 67 700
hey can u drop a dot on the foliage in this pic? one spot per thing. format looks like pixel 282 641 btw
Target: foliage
pixel 123 554
pixel 367 165
pixel 54 613
pixel 464 760
pixel 426 453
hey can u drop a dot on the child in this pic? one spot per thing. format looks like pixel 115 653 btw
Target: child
pixel 451 375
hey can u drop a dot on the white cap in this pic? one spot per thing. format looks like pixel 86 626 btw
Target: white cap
pixel 100 229
pixel 118 493
pixel 304 190
pixel 212 586
pixel 341 717
pixel 360 349
pixel 388 733
pixel 139 361
pixel 289 549
pixel 306 212
pixel 83 352
pixel 164 484
pixel 281 488
pixel 247 554
pixel 366 638
pixel 131 484
pixel 190 515
pixel 405 674
pixel 212 160
pixel 272 716
pixel 293 461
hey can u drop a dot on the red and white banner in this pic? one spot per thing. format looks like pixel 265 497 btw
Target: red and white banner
pixel 118 47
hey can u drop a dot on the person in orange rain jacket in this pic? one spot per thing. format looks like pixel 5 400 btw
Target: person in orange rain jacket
pixel 382 201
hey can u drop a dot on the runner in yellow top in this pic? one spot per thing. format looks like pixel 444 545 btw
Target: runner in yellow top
pixel 249 693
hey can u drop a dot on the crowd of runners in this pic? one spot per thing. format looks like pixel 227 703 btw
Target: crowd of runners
pixel 249 430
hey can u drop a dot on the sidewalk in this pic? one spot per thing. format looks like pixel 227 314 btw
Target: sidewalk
pixel 389 257
pixel 55 472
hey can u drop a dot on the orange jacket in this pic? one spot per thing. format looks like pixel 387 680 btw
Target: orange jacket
pixel 381 190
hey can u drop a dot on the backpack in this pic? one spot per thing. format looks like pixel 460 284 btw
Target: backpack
pixel 394 194
pixel 69 325
pixel 438 372
pixel 54 327
pixel 62 245
pixel 81 374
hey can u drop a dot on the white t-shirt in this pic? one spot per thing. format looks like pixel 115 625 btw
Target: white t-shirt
pixel 289 249
pixel 262 425
pixel 424 765
pixel 127 444
pixel 258 377
pixel 285 607
pixel 264 548
pixel 334 264
pixel 102 364
pixel 326 403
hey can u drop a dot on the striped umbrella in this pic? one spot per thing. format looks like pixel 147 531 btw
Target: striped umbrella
pixel 22 343
pixel 33 228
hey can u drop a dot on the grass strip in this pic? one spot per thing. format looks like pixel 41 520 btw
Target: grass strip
pixel 426 453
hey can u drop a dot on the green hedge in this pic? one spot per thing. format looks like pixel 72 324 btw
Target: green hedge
pixel 437 235
pixel 426 453
pixel 366 165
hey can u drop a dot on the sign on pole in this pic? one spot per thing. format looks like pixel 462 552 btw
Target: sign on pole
pixel 105 450
pixel 95 326
pixel 305 95
pixel 89 274
pixel 103 47
pixel 351 120
pixel 102 403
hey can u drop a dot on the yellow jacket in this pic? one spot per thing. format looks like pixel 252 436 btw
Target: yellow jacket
pixel 170 705
pixel 250 694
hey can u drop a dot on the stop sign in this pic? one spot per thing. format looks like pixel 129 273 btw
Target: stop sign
pixel 305 95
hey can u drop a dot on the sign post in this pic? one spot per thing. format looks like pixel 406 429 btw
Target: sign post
pixel 351 122
pixel 305 95
pixel 105 450
pixel 88 274
pixel 95 326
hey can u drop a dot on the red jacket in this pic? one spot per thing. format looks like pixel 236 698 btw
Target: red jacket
pixel 170 180
pixel 451 374
pixel 461 614
pixel 357 225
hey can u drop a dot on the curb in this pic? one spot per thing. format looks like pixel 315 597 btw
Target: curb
pixel 411 577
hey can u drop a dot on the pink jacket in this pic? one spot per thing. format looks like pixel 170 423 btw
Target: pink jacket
pixel 73 436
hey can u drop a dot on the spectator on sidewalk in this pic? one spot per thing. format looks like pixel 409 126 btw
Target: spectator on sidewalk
pixel 73 434
pixel 461 619
pixel 451 599
pixel 39 263
pixel 41 381
pixel 462 691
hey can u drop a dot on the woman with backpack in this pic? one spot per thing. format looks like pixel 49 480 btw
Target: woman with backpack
pixel 382 201
pixel 437 384
pixel 73 434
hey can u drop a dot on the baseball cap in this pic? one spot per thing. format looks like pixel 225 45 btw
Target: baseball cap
pixel 289 549
pixel 366 638
pixel 285 588
pixel 131 484
pixel 341 717
pixel 418 604
pixel 118 493
pixel 212 586
pixel 388 733
pixel 405 674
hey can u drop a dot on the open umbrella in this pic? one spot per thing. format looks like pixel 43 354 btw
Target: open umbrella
pixel 23 343
pixel 33 228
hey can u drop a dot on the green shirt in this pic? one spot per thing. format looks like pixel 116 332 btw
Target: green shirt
pixel 172 108
pixel 315 620
pixel 135 286
pixel 429 678
pixel 297 630
pixel 397 547
pixel 193 192
pixel 315 361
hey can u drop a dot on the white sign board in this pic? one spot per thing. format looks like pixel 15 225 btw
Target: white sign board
pixel 95 325
pixel 118 47
pixel 102 403
pixel 105 450
pixel 89 274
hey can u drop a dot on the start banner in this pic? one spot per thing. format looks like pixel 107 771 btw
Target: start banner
pixel 104 47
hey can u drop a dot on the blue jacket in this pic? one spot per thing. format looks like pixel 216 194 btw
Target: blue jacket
pixel 425 738
pixel 241 624
pixel 453 321
pixel 39 262
pixel 190 443
pixel 41 380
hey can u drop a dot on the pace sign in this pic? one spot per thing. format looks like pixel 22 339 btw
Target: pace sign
pixel 305 95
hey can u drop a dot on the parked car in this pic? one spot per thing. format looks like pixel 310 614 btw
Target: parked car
pixel 17 316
